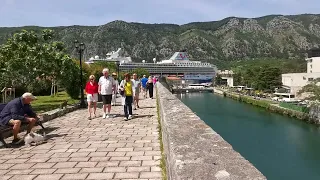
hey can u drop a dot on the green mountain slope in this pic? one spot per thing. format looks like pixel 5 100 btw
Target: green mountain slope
pixel 227 40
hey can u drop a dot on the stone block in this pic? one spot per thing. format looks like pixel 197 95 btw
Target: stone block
pixel 65 165
pixel 77 176
pixel 23 177
pixel 133 175
pixel 140 158
pixel 130 163
pixel 116 154
pixel 20 171
pixel 86 164
pixel 79 159
pixel 43 171
pixel 150 175
pixel 139 169
pixel 100 176
pixel 115 169
pixel 92 170
pixel 67 170
pixel 43 165
pixel 49 177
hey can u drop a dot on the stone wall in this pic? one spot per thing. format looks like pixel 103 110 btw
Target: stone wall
pixel 193 150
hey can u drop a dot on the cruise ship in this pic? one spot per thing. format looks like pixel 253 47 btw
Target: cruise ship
pixel 178 65
pixel 111 56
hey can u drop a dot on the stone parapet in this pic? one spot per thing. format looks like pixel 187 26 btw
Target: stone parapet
pixel 193 150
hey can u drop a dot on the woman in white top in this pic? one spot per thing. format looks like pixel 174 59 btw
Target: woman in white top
pixel 115 90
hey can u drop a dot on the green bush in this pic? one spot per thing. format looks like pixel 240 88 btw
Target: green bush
pixel 40 87
pixel 303 115
pixel 294 107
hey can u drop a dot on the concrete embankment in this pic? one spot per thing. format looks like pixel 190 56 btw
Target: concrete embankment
pixel 273 107
pixel 193 150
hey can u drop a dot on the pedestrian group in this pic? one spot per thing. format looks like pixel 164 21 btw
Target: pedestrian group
pixel 109 87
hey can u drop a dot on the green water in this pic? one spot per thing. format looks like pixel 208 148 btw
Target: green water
pixel 282 148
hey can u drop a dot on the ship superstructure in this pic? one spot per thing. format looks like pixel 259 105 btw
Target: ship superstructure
pixel 177 65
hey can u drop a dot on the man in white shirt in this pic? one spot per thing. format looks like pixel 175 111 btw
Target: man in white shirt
pixel 106 86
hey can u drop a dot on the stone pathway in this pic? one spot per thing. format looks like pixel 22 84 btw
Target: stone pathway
pixel 96 149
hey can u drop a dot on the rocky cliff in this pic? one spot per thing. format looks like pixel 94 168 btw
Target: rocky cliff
pixel 225 40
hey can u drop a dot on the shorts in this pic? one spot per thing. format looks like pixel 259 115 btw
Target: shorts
pixel 92 97
pixel 136 94
pixel 106 99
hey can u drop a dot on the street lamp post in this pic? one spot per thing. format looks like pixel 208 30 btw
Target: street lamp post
pixel 80 48
pixel 118 69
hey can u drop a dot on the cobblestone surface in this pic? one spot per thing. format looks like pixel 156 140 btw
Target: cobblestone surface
pixel 97 149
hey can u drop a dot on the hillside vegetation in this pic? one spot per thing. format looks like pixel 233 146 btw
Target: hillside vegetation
pixel 219 42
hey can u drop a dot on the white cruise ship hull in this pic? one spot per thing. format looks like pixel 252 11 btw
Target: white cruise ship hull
pixel 199 77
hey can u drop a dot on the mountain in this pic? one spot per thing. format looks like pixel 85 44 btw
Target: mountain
pixel 230 39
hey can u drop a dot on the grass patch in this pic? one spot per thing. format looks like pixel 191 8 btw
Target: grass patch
pixel 47 103
pixel 163 158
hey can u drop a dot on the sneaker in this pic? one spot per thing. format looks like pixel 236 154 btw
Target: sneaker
pixel 126 119
pixel 130 117
pixel 138 106
pixel 108 116
pixel 104 115
pixel 89 118
pixel 17 141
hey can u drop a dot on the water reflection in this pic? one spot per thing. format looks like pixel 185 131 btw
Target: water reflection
pixel 280 147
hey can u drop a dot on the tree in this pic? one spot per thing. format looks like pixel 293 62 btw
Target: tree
pixel 264 77
pixel 27 59
pixel 141 71
pixel 313 89
pixel 218 80
pixel 268 78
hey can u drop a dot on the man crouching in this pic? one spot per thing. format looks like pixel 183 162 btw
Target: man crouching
pixel 19 111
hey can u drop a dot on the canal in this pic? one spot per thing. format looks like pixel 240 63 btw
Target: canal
pixel 280 147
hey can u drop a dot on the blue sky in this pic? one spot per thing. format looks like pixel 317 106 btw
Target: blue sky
pixel 98 12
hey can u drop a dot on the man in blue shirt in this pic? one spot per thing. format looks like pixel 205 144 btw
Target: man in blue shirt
pixel 144 81
pixel 19 111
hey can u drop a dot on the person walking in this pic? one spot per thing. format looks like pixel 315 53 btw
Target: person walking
pixel 136 91
pixel 154 79
pixel 92 95
pixel 144 82
pixel 115 90
pixel 150 87
pixel 106 85
pixel 126 90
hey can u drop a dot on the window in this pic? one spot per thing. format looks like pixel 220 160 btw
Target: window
pixel 304 78
pixel 310 79
pixel 310 65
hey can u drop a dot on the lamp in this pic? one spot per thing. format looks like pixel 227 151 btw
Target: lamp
pixel 80 48
pixel 118 69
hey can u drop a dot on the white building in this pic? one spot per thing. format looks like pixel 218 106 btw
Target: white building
pixel 227 77
pixel 295 81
